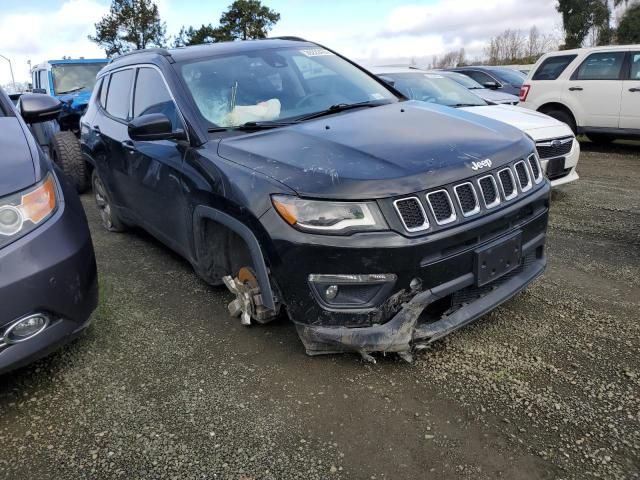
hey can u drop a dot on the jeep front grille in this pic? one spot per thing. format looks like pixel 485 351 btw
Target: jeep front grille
pixel 412 214
pixel 535 168
pixel 454 203
pixel 507 183
pixel 467 199
pixel 441 207
pixel 523 176
pixel 554 148
pixel 489 190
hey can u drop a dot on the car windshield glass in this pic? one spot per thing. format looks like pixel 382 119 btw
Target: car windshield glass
pixel 73 77
pixel 276 85
pixel 513 77
pixel 463 80
pixel 431 87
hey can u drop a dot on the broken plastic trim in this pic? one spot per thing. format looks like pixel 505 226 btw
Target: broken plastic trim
pixel 402 333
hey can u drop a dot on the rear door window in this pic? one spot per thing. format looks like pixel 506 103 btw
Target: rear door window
pixel 552 67
pixel 151 96
pixel 601 66
pixel 119 94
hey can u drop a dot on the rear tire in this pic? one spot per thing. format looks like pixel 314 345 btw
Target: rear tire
pixel 108 216
pixel 562 116
pixel 66 152
pixel 600 138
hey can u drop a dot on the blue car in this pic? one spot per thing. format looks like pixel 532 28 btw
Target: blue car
pixel 48 285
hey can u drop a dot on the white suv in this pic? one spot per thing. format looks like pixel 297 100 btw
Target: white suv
pixel 596 91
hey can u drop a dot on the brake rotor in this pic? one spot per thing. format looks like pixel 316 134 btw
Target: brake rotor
pixel 248 277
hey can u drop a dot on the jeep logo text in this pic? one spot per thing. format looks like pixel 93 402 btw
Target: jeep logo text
pixel 481 164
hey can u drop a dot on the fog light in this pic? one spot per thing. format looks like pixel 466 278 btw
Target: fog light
pixel 26 328
pixel 331 292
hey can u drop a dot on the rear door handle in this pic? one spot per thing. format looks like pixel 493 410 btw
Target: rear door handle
pixel 574 89
pixel 634 89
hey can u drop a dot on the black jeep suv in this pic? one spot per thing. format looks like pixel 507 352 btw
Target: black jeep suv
pixel 305 184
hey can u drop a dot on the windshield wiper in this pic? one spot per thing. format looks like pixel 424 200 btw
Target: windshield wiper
pixel 341 107
pixel 457 105
pixel 74 89
pixel 265 125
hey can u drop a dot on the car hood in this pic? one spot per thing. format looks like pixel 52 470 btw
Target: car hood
pixel 538 125
pixel 16 162
pixel 76 101
pixel 496 96
pixel 377 152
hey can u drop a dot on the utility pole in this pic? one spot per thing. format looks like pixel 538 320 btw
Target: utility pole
pixel 13 80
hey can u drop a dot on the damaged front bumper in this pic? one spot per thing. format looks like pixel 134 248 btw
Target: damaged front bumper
pixel 406 330
pixel 386 292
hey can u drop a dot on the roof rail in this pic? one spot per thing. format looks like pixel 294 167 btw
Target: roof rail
pixel 289 37
pixel 159 51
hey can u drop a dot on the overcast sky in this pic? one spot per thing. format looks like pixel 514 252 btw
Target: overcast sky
pixel 371 31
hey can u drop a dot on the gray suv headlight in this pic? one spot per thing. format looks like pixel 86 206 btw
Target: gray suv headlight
pixel 22 212
pixel 327 217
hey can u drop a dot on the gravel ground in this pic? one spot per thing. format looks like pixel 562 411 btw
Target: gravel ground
pixel 166 385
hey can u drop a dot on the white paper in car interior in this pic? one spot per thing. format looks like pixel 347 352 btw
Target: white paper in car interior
pixel 263 111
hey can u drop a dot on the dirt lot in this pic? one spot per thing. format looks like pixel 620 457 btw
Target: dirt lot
pixel 166 385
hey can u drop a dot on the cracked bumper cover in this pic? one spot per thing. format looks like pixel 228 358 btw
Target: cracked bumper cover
pixel 405 330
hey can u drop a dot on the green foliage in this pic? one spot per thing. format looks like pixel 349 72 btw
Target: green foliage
pixel 629 29
pixel 243 20
pixel 580 16
pixel 248 19
pixel 129 25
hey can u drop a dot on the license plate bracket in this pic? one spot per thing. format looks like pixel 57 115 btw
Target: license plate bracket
pixel 498 258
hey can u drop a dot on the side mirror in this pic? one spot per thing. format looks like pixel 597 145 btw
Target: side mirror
pixel 37 108
pixel 153 126
pixel 39 90
pixel 491 85
pixel 388 81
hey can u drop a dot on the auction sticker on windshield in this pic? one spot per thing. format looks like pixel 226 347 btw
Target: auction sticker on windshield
pixel 316 52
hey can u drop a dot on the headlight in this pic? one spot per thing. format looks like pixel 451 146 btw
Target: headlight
pixel 336 218
pixel 22 212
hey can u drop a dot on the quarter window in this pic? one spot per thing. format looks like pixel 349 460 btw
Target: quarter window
pixel 119 93
pixel 103 91
pixel 601 66
pixel 635 66
pixel 552 67
pixel 151 96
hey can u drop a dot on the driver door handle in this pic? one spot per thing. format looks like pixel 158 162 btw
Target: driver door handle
pixel 574 89
pixel 634 89
pixel 128 145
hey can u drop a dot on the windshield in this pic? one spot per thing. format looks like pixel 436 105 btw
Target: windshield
pixel 466 82
pixel 73 77
pixel 514 77
pixel 276 85
pixel 431 87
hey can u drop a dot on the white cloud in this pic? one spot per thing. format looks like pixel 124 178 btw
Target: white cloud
pixel 43 35
pixel 421 31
